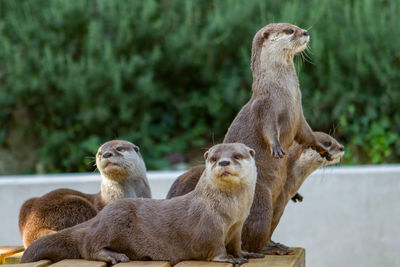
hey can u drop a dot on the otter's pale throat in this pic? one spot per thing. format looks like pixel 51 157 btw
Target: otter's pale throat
pixel 112 190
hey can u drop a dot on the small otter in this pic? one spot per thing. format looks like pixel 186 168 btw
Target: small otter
pixel 205 224
pixel 123 175
pixel 270 122
pixel 302 161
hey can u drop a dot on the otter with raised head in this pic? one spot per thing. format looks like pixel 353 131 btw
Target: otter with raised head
pixel 270 122
pixel 205 224
pixel 123 175
pixel 302 161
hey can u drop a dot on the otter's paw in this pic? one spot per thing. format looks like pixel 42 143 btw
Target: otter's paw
pixel 297 197
pixel 239 261
pixel 230 259
pixel 277 151
pixel 277 249
pixel 251 255
pixel 117 258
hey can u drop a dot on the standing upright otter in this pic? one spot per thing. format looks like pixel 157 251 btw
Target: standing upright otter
pixel 270 122
pixel 205 224
pixel 123 175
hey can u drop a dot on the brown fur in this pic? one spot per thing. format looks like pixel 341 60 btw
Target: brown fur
pixel 271 121
pixel 302 161
pixel 204 224
pixel 123 175
pixel 297 171
pixel 301 167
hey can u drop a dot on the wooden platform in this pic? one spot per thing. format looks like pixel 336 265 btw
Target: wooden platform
pixel 14 256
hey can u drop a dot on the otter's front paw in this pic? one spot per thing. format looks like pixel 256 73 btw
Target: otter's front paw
pixel 277 151
pixel 274 248
pixel 230 259
pixel 250 255
pixel 117 258
pixel 297 197
pixel 239 261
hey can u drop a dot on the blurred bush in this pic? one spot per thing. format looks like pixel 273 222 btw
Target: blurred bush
pixel 171 75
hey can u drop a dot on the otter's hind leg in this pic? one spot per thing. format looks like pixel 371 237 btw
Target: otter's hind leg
pixel 257 226
pixel 109 256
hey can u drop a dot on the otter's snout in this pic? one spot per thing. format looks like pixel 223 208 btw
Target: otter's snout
pixel 224 163
pixel 107 155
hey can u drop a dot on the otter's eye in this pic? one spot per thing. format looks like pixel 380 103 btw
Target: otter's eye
pixel 119 148
pixel 213 159
pixel 237 156
pixel 327 143
pixel 136 149
pixel 288 31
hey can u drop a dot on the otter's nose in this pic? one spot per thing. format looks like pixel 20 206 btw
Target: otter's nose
pixel 224 163
pixel 341 148
pixel 305 33
pixel 107 155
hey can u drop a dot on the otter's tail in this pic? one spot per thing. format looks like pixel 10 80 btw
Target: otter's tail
pixel 54 247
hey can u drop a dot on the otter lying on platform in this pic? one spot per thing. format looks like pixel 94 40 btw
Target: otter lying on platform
pixel 123 175
pixel 205 224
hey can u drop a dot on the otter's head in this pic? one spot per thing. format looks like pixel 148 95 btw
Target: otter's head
pixel 118 159
pixel 333 147
pixel 230 165
pixel 277 42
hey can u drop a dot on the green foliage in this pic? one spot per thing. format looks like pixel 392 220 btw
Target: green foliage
pixel 171 75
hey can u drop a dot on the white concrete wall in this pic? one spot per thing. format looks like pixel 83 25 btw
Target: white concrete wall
pixel 349 216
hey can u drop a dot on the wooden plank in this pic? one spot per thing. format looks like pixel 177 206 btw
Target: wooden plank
pixel 203 263
pixel 144 263
pixel 42 263
pixel 297 260
pixel 79 263
pixel 13 259
pixel 8 251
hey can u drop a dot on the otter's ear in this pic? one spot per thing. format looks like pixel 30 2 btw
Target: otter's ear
pixel 206 155
pixel 265 35
pixel 136 148
pixel 252 152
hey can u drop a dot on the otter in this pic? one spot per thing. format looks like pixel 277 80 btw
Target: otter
pixel 123 175
pixel 205 224
pixel 270 122
pixel 302 161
